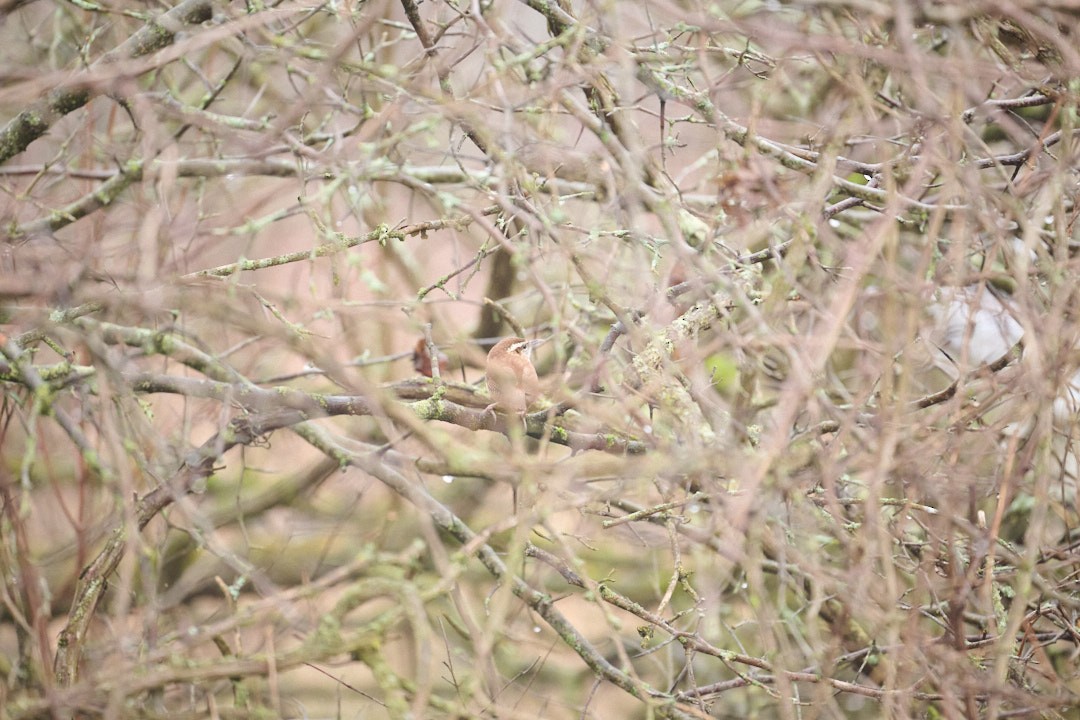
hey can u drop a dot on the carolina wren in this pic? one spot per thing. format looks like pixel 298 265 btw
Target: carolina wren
pixel 511 377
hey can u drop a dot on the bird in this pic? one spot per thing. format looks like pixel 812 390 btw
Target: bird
pixel 511 377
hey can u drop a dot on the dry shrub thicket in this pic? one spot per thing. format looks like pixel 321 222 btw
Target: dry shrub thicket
pixel 807 272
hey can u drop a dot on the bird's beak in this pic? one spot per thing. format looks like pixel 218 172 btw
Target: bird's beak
pixel 527 346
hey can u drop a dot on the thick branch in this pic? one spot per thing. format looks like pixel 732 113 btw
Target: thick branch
pixel 36 120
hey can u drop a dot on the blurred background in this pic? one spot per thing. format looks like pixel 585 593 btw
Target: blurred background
pixel 805 277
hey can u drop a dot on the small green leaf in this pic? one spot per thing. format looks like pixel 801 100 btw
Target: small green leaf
pixel 723 371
